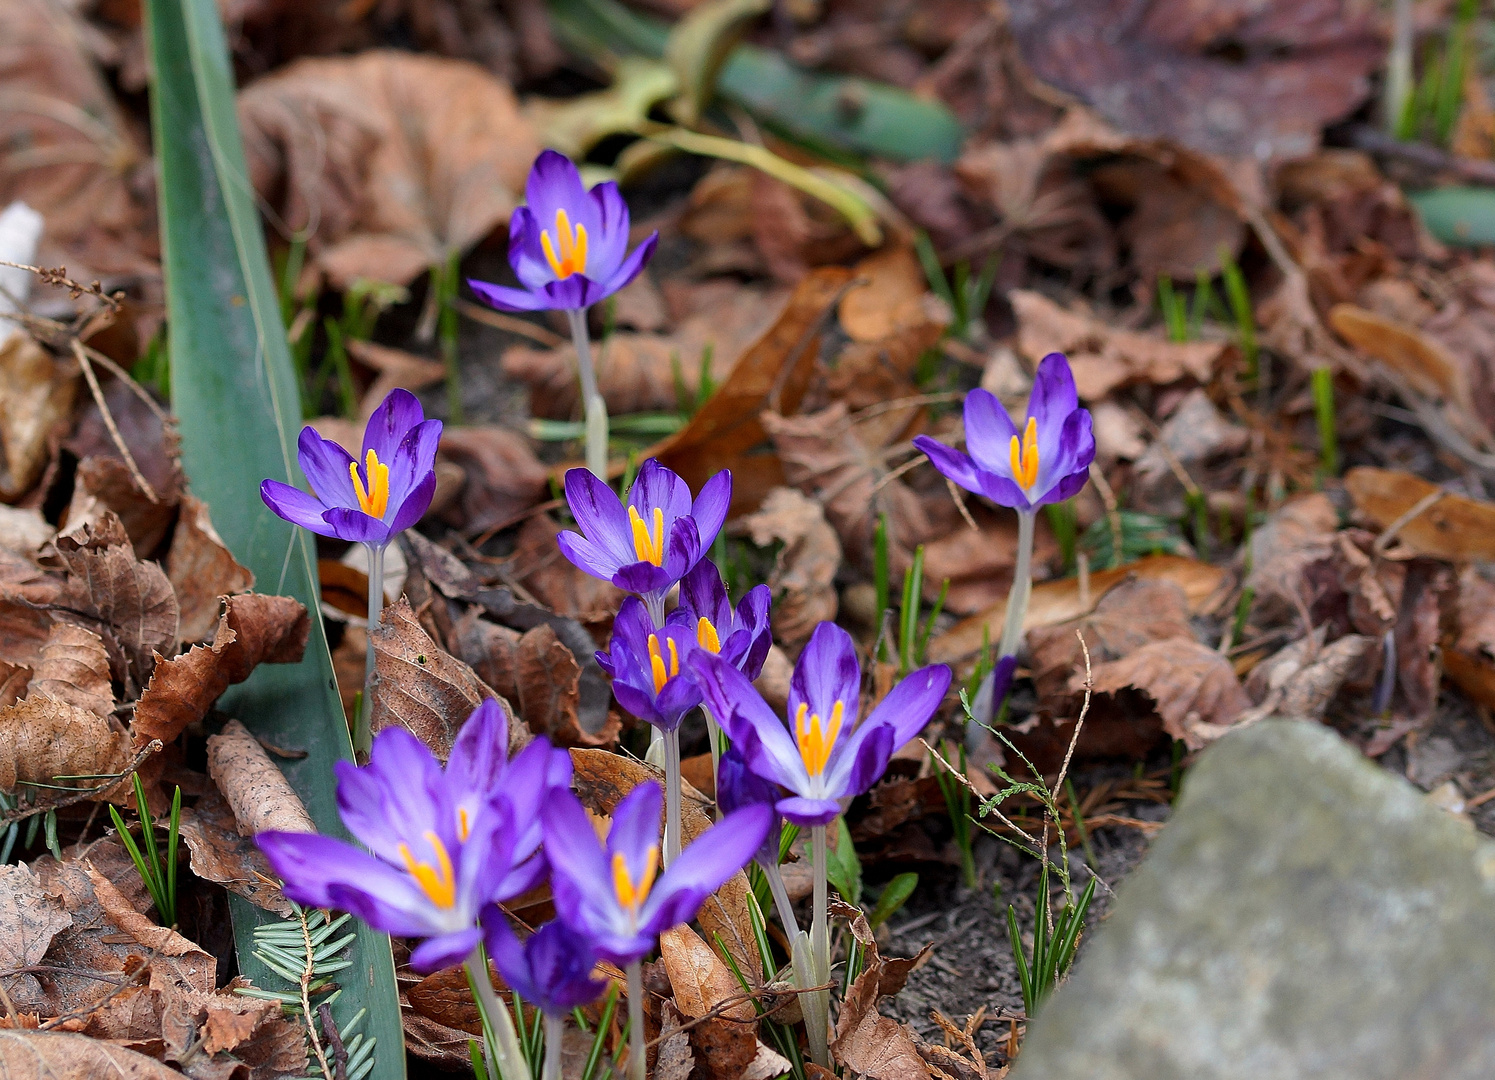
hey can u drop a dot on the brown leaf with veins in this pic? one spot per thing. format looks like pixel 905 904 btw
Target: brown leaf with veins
pixel 74 669
pixel 42 738
pixel 541 568
pixel 260 796
pixel 1189 684
pixel 29 920
pixel 59 1055
pixel 673 1057
pixel 399 159
pixel 803 578
pixel 727 1043
pixel 36 398
pixel 548 680
pixel 1287 553
pixel 106 484
pixel 1469 648
pixel 254 629
pixel 201 569
pixel 221 853
pixel 1300 681
pixel 1456 528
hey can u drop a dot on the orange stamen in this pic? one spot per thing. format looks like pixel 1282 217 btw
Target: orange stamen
pixel 649 547
pixel 373 500
pixel 656 662
pixel 436 881
pixel 815 741
pixel 572 258
pixel 1024 456
pixel 706 634
pixel 630 893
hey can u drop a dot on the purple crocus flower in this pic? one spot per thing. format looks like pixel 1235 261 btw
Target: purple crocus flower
pixel 444 844
pixel 738 786
pixel 644 663
pixel 569 246
pixel 653 543
pixel 825 759
pixel 741 636
pixel 610 893
pixel 374 499
pixel 551 969
pixel 1046 462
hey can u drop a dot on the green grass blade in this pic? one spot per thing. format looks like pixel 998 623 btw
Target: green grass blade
pixel 234 390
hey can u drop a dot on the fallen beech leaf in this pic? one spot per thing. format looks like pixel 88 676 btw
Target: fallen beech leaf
pixel 804 572
pixel 59 1055
pixel 1103 358
pixel 892 299
pixel 260 796
pixel 1194 436
pixel 74 669
pixel 23 532
pixel 1055 602
pixel 1455 528
pixel 221 853
pixel 254 629
pixel 42 738
pixel 1421 360
pixel 1469 653
pixel 548 680
pixel 874 1046
pixel 424 689
pixel 503 478
pixel 201 569
pixel 1299 535
pixel 673 1058
pixel 541 568
pixel 29 920
pixel 189 964
pixel 1189 683
pixel 36 397
pixel 727 1043
pixel 399 158
pixel 106 483
pixel 1301 680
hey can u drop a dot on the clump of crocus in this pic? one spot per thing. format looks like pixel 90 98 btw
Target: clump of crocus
pixel 552 970
pixel 1046 462
pixel 569 249
pixel 442 845
pixel 369 501
pixel 614 893
pixel 821 756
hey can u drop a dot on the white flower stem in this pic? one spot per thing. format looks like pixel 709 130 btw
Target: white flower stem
pixel 555 1034
pixel 672 837
pixel 499 1037
pixel 637 1063
pixel 781 901
pixel 595 407
pixel 1022 586
pixel 714 737
pixel 816 1006
pixel 362 736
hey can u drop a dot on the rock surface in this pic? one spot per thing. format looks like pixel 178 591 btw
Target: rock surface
pixel 1304 914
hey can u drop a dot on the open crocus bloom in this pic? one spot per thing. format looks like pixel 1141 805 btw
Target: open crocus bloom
pixel 741 636
pixel 443 845
pixel 552 969
pixel 375 498
pixel 738 786
pixel 649 545
pixel 823 755
pixel 568 246
pixel 644 663
pixel 1046 462
pixel 613 894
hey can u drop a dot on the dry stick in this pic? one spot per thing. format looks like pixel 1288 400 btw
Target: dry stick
pixel 335 1040
pixel 58 277
pixel 83 794
pixel 1417 509
pixel 98 396
pixel 124 376
pixel 131 979
pixel 961 778
pixel 718 1011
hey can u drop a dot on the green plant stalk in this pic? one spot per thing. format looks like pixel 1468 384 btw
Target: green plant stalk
pixel 1323 407
pixel 958 806
pixel 894 895
pixel 595 407
pixel 609 1006
pixel 921 646
pixel 446 322
pixel 1022 586
pixel 1074 803
pixel 501 1040
pixel 363 738
pixel 637 1062
pixel 1240 308
pixel 816 1004
pixel 555 1033
pixel 1175 314
pixel 672 838
pixel 881 575
pixel 908 614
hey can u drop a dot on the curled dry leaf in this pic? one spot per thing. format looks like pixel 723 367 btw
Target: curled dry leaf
pixel 673 1058
pixel 185 962
pixel 42 738
pixel 201 569
pixel 1189 684
pixel 74 669
pixel 891 301
pixel 36 398
pixel 105 483
pixel 221 853
pixel 1303 679
pixel 254 629
pixel 866 1042
pixel 1102 357
pixel 502 476
pixel 1285 549
pixel 1455 527
pixel 1469 652
pixel 60 1055
pixel 399 159
pixel 29 920
pixel 258 793
pixel 804 573
pixel 726 1044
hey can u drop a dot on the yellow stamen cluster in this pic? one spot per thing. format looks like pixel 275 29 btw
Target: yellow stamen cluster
pixel 706 634
pixel 1025 456
pixel 647 544
pixel 815 741
pixel 373 499
pixel 436 881
pixel 630 893
pixel 573 247
pixel 464 826
pixel 656 662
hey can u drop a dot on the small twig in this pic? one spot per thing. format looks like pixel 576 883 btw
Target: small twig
pixel 1367 138
pixel 119 441
pixel 1415 511
pixel 718 1011
pixel 131 979
pixel 59 278
pixel 335 1040
pixel 125 377
pixel 82 794
pixel 960 504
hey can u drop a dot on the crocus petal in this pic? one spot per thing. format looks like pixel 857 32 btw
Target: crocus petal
pixel 555 184
pixel 600 515
pixel 635 828
pixel 507 953
pixel 562 962
pixel 587 556
pixel 702 594
pixel 682 550
pixel 826 672
pixel 414 460
pixel 631 266
pixel 1004 492
pixel 1073 453
pixel 319 871
pixel 356 526
pixel 526 255
pixel 704 867
pixel 953 464
pixel 677 697
pixel 444 950
pixel 642 578
pixel 752 610
pixel 807 813
pixel 296 506
pixel 1053 396
pixel 570 844
pixel 657 486
pixel 640 704
pixel 989 432
pixel 394 798
pixel 1067 488
pixel 862 761
pixel 910 704
pixel 506 298
pixel 572 294
pixel 414 505
pixel 325 465
pixel 710 507
pixel 394 417
pixel 606 248
pixel 748 721
pixel 480 751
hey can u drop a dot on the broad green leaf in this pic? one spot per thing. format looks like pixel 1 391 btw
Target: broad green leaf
pixel 698 46
pixel 573 126
pixel 843 868
pixel 234 392
pixel 1462 216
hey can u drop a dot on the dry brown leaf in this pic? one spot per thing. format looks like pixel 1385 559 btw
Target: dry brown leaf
pixel 1303 679
pixel 221 853
pixel 548 680
pixel 254 629
pixel 398 159
pixel 1196 435
pixel 874 1046
pixel 201 569
pixel 105 483
pixel 29 920
pixel 36 398
pixel 260 796
pixel 566 590
pixel 175 956
pixel 803 578
pixel 1455 528
pixel 1102 357
pixel 23 532
pixel 727 1043
pixel 673 1059
pixel 978 562
pixel 59 1055
pixel 1469 654
pixel 890 302
pixel 1285 550
pixel 42 738
pixel 503 478
pixel 74 669
pixel 1190 685
pixel 1055 602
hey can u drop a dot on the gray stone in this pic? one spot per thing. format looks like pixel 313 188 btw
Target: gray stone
pixel 1303 914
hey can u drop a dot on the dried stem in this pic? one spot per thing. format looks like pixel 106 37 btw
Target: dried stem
pixel 98 396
